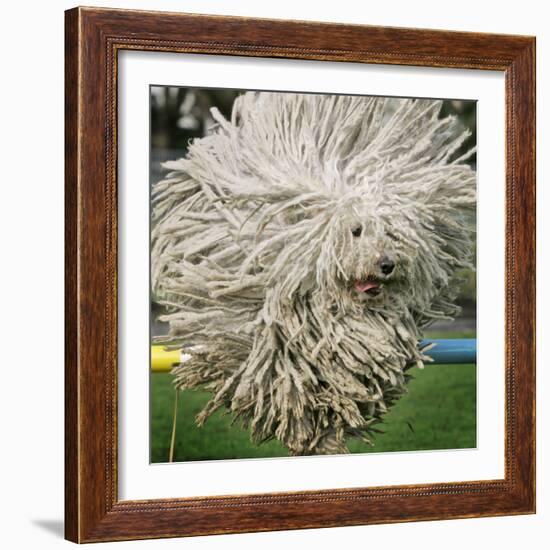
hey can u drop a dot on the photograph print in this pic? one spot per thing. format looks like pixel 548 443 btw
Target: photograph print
pixel 313 287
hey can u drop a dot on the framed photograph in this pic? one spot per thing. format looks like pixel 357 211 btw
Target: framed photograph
pixel 300 275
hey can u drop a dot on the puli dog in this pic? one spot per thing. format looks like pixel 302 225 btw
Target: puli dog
pixel 301 248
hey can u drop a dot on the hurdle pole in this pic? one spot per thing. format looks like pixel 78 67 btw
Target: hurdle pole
pixel 459 351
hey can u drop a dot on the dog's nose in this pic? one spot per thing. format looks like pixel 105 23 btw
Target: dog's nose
pixel 387 265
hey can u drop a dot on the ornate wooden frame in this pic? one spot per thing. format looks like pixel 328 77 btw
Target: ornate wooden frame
pixel 93 38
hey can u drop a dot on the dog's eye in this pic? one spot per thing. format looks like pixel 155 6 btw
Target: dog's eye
pixel 356 232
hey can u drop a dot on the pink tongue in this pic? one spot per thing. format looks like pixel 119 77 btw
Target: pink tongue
pixel 361 286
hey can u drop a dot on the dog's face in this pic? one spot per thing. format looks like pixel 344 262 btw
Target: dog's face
pixel 375 247
pixel 358 250
pixel 375 259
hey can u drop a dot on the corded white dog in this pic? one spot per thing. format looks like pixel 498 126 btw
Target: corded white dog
pixel 301 248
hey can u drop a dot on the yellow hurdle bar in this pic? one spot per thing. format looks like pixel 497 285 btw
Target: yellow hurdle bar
pixel 163 360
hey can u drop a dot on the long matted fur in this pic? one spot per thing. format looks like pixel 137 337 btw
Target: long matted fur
pixel 268 242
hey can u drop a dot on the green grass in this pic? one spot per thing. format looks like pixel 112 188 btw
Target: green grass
pixel 439 412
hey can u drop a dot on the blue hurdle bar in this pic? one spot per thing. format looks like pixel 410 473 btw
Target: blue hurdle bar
pixel 463 350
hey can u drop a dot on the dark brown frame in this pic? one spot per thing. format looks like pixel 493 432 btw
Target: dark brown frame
pixel 92 509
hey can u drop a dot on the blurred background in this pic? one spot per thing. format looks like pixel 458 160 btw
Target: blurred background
pixel 438 413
